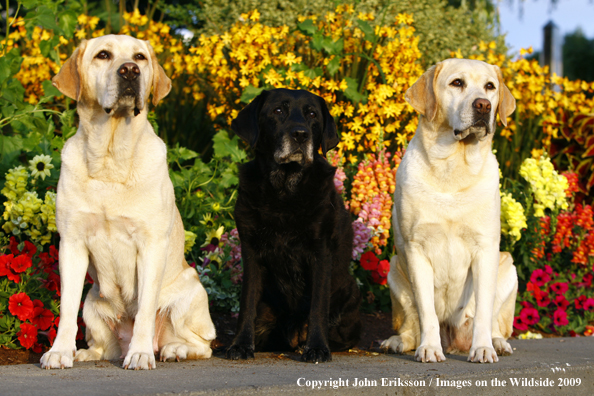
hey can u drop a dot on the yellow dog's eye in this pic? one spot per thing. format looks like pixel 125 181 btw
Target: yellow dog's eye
pixel 139 57
pixel 457 83
pixel 489 86
pixel 102 55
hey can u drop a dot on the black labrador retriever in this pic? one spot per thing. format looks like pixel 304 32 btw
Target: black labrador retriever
pixel 296 235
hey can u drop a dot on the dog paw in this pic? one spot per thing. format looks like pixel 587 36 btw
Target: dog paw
pixel 502 347
pixel 85 355
pixel 54 359
pixel 140 361
pixel 429 354
pixel 482 355
pixel 396 344
pixel 236 352
pixel 316 355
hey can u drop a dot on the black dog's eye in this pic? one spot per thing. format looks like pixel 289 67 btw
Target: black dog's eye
pixel 102 55
pixel 278 110
pixel 139 57
pixel 311 114
pixel 489 87
pixel 457 83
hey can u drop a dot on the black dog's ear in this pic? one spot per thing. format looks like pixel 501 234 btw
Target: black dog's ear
pixel 330 137
pixel 245 125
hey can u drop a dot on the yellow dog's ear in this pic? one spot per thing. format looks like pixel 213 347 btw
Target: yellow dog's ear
pixel 161 83
pixel 507 102
pixel 69 78
pixel 421 95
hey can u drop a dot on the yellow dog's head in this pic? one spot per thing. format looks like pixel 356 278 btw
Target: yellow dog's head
pixel 466 94
pixel 115 72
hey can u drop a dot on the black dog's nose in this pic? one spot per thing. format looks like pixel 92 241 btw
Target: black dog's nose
pixel 129 71
pixel 482 106
pixel 299 135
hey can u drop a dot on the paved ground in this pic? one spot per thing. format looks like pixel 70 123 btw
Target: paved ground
pixel 564 365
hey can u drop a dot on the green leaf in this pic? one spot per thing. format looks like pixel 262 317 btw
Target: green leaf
pixel 333 65
pixel 317 41
pixel 10 144
pixel 366 29
pixel 352 93
pixel 67 22
pixel 249 93
pixel 308 27
pixel 4 69
pixel 46 18
pixel 229 178
pixel 31 142
pixel 49 89
pixel 14 91
pixel 332 47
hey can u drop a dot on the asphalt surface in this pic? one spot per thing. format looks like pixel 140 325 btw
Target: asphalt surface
pixel 554 366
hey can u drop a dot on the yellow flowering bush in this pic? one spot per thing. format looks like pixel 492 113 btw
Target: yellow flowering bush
pixel 361 72
pixel 546 184
pixel 24 211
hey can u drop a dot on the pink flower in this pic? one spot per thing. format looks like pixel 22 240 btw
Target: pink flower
pixel 539 277
pixel 560 318
pixel 579 302
pixel 519 325
pixel 560 287
pixel 548 269
pixel 529 316
pixel 544 299
pixel 589 304
pixel 561 302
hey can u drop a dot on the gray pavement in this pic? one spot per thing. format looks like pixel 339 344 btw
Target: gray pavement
pixel 554 366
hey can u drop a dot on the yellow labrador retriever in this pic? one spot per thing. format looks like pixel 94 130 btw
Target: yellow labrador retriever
pixel 117 218
pixel 449 283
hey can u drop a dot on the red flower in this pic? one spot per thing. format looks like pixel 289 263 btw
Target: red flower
pixel 531 287
pixel 5 264
pixel 51 335
pixel 526 304
pixel 21 263
pixel 14 246
pixel 383 268
pixel 579 302
pixel 589 330
pixel 589 304
pixel 52 282
pixel 560 287
pixel 42 318
pixel 29 249
pixel 518 324
pixel 529 316
pixel 37 348
pixel 21 306
pixel 561 302
pixel 80 334
pixel 539 277
pixel 560 318
pixel 369 261
pixel 27 335
pixel 587 280
pixel 377 278
pixel 544 299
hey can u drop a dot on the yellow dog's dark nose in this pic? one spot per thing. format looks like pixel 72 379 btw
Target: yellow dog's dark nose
pixel 129 71
pixel 482 106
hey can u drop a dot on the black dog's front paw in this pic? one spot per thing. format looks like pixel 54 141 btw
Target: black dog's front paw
pixel 316 355
pixel 236 352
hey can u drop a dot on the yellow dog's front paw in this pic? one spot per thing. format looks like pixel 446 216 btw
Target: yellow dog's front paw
pixel 483 355
pixel 397 344
pixel 55 359
pixel 140 361
pixel 430 354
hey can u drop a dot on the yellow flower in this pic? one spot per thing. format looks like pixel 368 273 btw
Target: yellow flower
pixel 213 237
pixel 189 241
pixel 41 166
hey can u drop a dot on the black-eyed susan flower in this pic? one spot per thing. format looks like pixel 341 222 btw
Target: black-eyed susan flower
pixel 41 166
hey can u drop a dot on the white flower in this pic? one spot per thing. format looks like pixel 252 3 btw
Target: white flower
pixel 40 166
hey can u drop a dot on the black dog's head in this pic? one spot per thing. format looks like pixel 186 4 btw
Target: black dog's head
pixel 287 126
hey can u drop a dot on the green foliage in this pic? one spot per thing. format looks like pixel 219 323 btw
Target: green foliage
pixel 578 56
